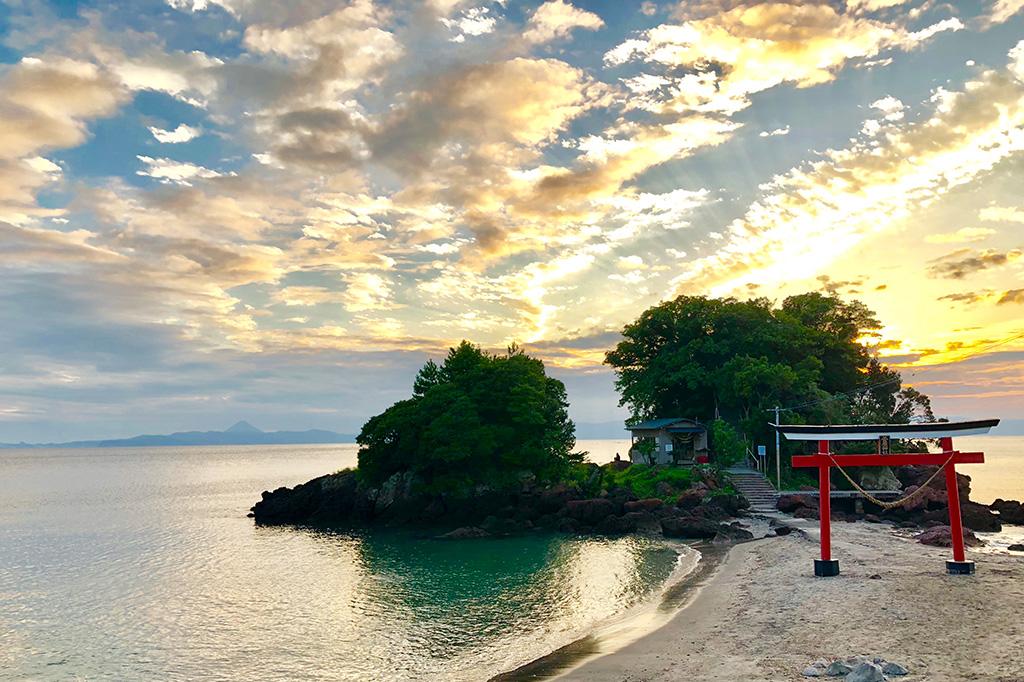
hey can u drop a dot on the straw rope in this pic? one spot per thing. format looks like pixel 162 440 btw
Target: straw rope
pixel 903 500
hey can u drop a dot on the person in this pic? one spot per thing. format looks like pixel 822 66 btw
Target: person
pixel 617 458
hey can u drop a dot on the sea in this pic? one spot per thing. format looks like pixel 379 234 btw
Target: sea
pixel 140 564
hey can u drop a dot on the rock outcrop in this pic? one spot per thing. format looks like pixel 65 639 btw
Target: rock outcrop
pixel 342 500
pixel 927 507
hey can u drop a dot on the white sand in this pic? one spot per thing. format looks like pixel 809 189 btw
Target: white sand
pixel 764 616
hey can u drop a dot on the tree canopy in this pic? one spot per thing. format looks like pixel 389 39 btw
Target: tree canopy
pixel 475 418
pixel 703 357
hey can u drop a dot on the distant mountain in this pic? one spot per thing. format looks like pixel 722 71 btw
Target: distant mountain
pixel 242 433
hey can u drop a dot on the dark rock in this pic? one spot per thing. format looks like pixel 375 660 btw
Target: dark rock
pixel 838 669
pixel 504 526
pixel 806 513
pixel 690 499
pixel 689 527
pixel 783 530
pixel 940 536
pixel 866 672
pixel 894 669
pixel 874 576
pixel 643 521
pixel 646 505
pixel 1010 511
pixel 907 524
pixel 615 525
pixel 590 511
pixel 790 503
pixel 871 518
pixel 1016 547
pixel 465 533
pixel 728 505
pixel 980 518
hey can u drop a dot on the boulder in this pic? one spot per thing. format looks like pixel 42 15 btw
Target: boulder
pixel 879 478
pixel 465 533
pixel 806 513
pixel 502 526
pixel 727 505
pixel 838 669
pixel 790 503
pixel 616 525
pixel 866 672
pixel 591 511
pixel 894 669
pixel 690 499
pixel 1016 547
pixel 643 521
pixel 1010 511
pixel 646 505
pixel 980 518
pixel 813 671
pixel 940 536
pixel 689 527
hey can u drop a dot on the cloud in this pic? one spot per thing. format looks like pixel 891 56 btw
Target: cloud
pixel 969 297
pixel 960 263
pixel 171 171
pixel 556 19
pixel 1002 214
pixel 815 213
pixel 367 291
pixel 183 133
pixel 961 236
pixel 1003 10
pixel 774 133
pixel 475 21
pixel 1012 296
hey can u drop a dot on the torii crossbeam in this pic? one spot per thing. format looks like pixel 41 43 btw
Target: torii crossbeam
pixel 882 434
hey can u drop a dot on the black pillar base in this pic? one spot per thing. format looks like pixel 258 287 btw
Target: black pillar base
pixel 826 569
pixel 960 567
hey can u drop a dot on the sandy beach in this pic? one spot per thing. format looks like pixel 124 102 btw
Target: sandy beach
pixel 764 616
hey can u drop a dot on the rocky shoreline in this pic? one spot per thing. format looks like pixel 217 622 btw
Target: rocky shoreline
pixel 704 510
pixel 928 510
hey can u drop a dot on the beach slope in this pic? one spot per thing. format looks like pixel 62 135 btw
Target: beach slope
pixel 764 616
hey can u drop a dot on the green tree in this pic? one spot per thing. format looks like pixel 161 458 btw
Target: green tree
pixel 476 418
pixel 705 357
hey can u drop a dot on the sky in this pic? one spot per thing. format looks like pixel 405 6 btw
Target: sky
pixel 214 210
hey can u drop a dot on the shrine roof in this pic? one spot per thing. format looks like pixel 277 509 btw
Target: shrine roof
pixel 874 431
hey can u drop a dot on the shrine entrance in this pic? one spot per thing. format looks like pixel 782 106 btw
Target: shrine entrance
pixel 882 434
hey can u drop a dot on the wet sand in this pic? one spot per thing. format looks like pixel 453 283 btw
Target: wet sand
pixel 762 615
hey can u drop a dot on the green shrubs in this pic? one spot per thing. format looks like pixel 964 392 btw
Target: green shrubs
pixel 643 479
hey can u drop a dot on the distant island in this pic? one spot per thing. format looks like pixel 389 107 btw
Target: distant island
pixel 242 433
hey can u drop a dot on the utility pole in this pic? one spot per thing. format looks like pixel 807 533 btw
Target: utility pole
pixel 778 453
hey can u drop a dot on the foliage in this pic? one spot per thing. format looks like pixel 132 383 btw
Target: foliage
pixel 646 447
pixel 706 358
pixel 726 443
pixel 643 479
pixel 476 418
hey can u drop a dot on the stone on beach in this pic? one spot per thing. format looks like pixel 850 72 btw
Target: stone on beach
pixel 838 669
pixel 896 669
pixel 866 672
pixel 941 536
pixel 1016 548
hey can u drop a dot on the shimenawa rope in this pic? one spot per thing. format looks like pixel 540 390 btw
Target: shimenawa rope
pixel 903 500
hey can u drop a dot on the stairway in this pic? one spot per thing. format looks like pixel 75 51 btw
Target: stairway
pixel 756 488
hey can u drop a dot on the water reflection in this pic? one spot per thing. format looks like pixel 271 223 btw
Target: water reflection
pixel 140 564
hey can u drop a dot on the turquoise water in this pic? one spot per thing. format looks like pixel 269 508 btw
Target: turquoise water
pixel 140 564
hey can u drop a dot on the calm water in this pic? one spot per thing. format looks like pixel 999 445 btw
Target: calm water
pixel 140 564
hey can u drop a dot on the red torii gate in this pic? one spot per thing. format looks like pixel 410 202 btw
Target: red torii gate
pixel 882 433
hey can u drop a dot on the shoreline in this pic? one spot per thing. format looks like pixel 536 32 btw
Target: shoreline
pixel 611 637
pixel 762 615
